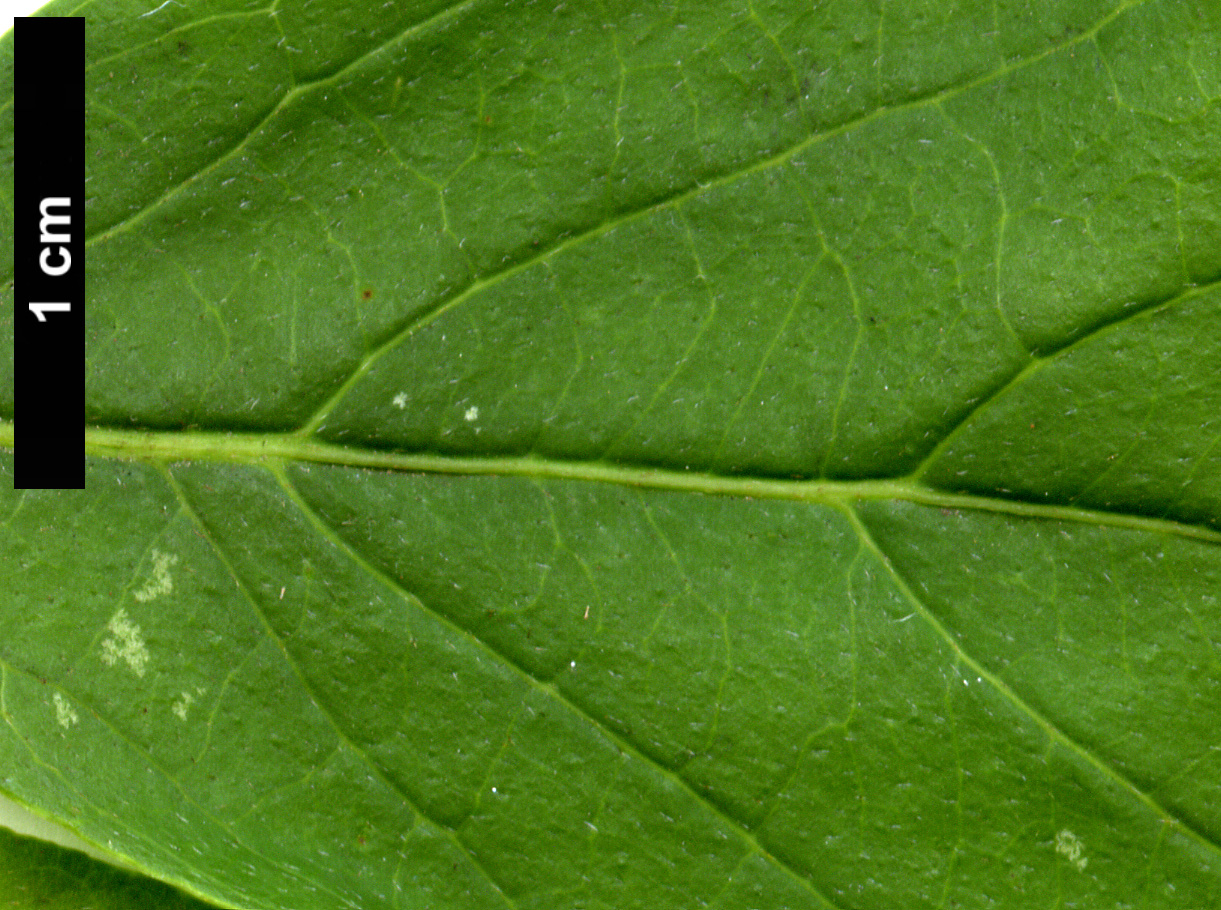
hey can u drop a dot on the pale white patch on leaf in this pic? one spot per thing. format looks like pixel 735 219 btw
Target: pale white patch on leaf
pixel 1070 847
pixel 180 707
pixel 126 644
pixel 64 712
pixel 400 401
pixel 161 582
pixel 471 415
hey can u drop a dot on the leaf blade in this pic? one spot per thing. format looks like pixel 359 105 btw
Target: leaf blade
pixel 609 650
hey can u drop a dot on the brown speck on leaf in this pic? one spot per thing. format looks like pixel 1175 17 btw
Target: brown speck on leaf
pixel 366 293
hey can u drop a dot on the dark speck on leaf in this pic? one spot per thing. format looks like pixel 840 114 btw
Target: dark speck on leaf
pixel 366 293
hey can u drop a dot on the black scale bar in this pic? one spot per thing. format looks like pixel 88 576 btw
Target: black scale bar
pixel 49 253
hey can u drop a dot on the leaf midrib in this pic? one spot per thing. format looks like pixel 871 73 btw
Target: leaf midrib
pixel 273 451
pixel 278 449
pixel 805 876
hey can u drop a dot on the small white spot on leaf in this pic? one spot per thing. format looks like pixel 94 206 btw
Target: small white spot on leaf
pixel 126 643
pixel 471 415
pixel 1070 847
pixel 64 712
pixel 400 401
pixel 180 707
pixel 161 582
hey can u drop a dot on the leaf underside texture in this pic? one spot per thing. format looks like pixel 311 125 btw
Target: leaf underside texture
pixel 609 455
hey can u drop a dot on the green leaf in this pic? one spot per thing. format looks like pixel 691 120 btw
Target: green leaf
pixel 35 873
pixel 734 455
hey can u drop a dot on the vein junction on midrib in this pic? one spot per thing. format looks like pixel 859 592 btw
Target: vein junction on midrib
pixel 281 448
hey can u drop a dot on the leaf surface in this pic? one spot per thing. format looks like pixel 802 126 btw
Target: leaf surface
pixel 34 873
pixel 731 455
